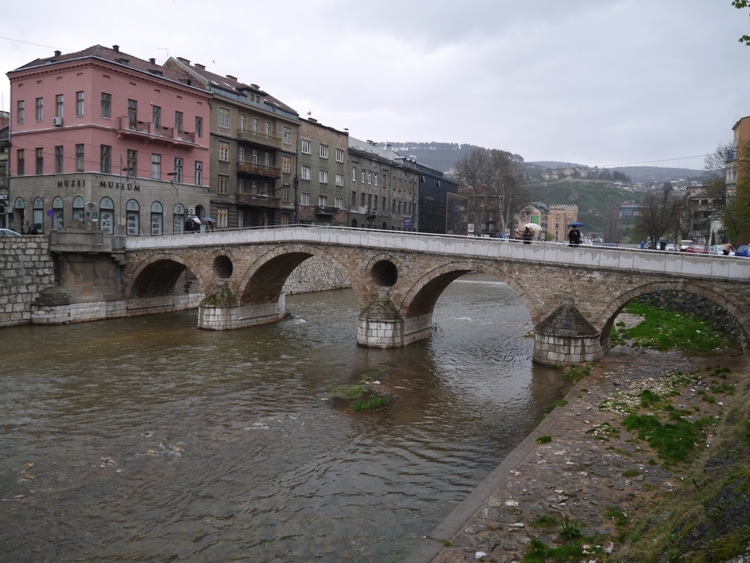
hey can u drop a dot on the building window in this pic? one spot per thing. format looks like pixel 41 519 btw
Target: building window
pixel 178 121
pixel 222 219
pixel 323 176
pixel 304 198
pixel 198 173
pixel 354 173
pixel 305 146
pixel 177 174
pixel 157 219
pixel 156 116
pixel 286 165
pixel 322 200
pixel 199 126
pixel 59 105
pixel 156 166
pixel 285 194
pixel 286 136
pixel 79 104
pixel 376 178
pixel 339 179
pixel 323 151
pixel 20 111
pixel 338 202
pixel 132 113
pixel 268 129
pixel 20 163
pixel 40 161
pixel 223 151
pixel 369 177
pixel 363 176
pixel 39 109
pixel 57 214
pixel 306 173
pixel 106 105
pixel 241 154
pixel 132 169
pixel 254 125
pixel 79 213
pixel 223 187
pixel 339 155
pixel 59 160
pixel 80 160
pixel 133 217
pixel 105 159
pixel 223 119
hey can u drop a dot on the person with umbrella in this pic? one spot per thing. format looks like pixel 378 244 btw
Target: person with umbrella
pixel 574 235
pixel 526 236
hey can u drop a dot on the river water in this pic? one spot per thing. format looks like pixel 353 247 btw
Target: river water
pixel 146 439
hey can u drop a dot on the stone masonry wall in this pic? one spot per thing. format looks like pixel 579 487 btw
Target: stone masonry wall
pixel 26 268
pixel 315 274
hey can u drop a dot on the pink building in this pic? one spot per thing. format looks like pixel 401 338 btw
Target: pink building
pixel 104 140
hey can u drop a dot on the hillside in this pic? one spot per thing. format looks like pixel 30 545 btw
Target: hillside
pixel 443 156
pixel 595 199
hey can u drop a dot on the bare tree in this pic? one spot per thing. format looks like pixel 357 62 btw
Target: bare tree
pixel 494 182
pixel 661 214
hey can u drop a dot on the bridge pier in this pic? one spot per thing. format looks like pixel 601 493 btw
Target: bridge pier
pixel 565 338
pixel 221 310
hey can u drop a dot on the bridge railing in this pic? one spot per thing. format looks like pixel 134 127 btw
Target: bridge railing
pixel 583 256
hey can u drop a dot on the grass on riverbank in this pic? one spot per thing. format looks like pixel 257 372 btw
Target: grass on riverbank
pixel 706 517
pixel 664 329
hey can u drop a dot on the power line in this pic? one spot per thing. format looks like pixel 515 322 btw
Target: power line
pixel 27 42
pixel 653 161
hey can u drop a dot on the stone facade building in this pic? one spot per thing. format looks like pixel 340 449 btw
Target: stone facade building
pixel 102 139
pixel 323 162
pixel 253 151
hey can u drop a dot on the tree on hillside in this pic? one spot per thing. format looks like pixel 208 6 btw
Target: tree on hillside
pixel 493 182
pixel 661 215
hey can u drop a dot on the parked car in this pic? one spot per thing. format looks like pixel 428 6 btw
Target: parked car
pixel 8 233
pixel 697 249
pixel 743 250
pixel 671 247
pixel 684 244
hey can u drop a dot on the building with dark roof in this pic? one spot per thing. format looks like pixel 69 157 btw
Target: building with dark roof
pixel 254 139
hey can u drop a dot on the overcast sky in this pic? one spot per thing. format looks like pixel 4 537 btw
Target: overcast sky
pixel 594 82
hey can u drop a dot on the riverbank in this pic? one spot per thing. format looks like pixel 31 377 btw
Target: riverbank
pixel 581 472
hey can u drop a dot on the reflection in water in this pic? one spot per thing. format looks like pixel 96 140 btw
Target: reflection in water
pixel 146 438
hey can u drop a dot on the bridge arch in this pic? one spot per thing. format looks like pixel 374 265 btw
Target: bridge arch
pixel 421 297
pixel 610 312
pixel 264 278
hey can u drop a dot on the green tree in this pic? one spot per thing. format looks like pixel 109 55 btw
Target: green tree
pixel 740 5
pixel 661 215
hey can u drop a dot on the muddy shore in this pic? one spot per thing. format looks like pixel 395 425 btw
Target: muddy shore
pixel 574 473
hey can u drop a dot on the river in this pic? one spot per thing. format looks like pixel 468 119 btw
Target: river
pixel 146 439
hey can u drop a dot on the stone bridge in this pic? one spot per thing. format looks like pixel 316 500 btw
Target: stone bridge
pixel 573 294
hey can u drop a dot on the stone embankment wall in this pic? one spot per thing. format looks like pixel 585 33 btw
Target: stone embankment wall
pixel 26 268
pixel 315 274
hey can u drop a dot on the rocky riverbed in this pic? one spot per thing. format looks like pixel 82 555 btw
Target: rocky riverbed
pixel 580 467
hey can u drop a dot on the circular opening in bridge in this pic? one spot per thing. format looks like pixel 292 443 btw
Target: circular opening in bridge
pixel 223 267
pixel 385 273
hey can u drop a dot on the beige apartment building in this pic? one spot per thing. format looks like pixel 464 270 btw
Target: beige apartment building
pixel 253 151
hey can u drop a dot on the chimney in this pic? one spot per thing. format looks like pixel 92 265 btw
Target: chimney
pixel 230 77
pixel 152 61
pixel 58 53
pixel 200 66
pixel 116 48
pixel 183 60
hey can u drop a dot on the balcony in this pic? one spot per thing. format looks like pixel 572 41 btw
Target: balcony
pixel 258 138
pixel 258 170
pixel 325 211
pixel 257 200
pixel 147 131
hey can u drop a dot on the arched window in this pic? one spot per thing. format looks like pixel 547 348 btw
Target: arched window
pixel 38 220
pixel 57 217
pixel 133 218
pixel 106 216
pixel 79 212
pixel 157 219
pixel 178 218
